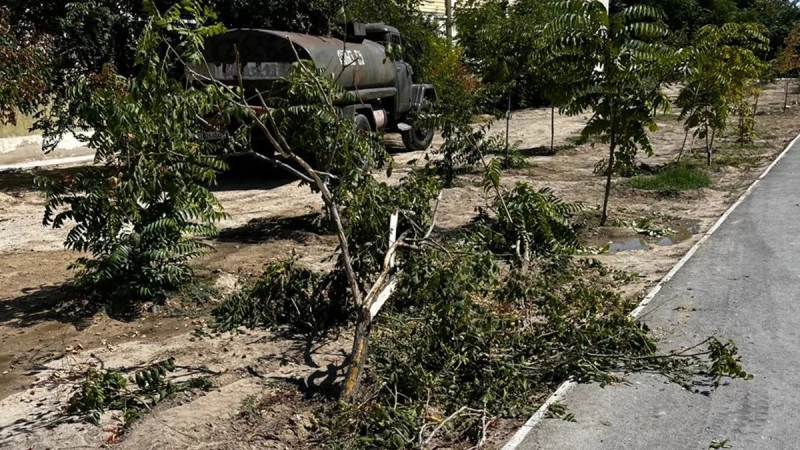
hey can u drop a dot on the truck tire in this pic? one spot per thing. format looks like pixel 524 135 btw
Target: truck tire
pixel 417 139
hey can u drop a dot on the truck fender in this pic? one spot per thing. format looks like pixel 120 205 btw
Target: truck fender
pixel 420 93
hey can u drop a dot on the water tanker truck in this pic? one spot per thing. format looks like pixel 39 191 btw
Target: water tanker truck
pixel 385 96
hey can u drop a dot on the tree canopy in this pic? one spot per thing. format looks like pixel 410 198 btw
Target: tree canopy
pixel 687 17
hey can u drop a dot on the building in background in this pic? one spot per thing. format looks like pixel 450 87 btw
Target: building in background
pixel 441 11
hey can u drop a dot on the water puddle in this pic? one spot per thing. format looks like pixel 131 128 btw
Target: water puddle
pixel 679 234
pixel 633 244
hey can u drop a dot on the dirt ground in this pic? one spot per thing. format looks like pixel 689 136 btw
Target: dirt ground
pixel 47 338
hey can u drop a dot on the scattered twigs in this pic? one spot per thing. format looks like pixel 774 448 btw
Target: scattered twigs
pixel 463 411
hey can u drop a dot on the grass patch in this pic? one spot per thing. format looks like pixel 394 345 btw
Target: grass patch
pixel 577 140
pixel 672 179
pixel 674 117
pixel 738 161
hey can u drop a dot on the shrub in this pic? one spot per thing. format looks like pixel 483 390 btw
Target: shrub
pixel 142 212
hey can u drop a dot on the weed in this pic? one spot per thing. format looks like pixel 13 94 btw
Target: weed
pixel 671 179
pixel 719 443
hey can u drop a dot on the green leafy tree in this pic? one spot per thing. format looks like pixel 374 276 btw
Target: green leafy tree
pixel 789 60
pixel 24 70
pixel 501 41
pixel 142 211
pixel 686 17
pixel 723 69
pixel 624 92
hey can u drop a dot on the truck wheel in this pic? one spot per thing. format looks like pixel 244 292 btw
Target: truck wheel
pixel 417 139
pixel 361 123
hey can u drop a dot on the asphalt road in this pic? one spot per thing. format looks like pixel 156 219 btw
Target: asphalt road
pixel 742 284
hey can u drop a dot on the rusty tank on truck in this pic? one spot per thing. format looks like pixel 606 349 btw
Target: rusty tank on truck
pixel 385 95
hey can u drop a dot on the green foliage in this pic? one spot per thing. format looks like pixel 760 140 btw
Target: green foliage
pixel 626 94
pixel 308 16
pixel 142 211
pixel 98 32
pixel 686 17
pixel 469 339
pixel 441 65
pixel 285 295
pixel 25 74
pixel 308 122
pixel 672 178
pixel 99 391
pixel 722 72
pixel 367 206
pixel 788 60
pixel 103 390
pixel 530 223
pixel 465 144
pixel 502 45
pixel 725 362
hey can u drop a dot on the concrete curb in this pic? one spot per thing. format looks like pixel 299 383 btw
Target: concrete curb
pixel 568 385
pixel 47 163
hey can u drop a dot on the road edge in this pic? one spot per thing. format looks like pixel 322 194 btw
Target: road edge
pixel 71 160
pixel 568 385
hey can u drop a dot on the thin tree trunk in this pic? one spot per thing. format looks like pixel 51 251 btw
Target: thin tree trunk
pixel 683 146
pixel 786 95
pixel 508 124
pixel 552 129
pixel 713 135
pixel 710 146
pixel 610 171
pixel 755 103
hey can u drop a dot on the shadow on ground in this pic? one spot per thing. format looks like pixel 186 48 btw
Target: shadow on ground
pixel 23 180
pixel 55 303
pixel 304 348
pixel 302 229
